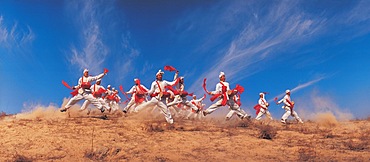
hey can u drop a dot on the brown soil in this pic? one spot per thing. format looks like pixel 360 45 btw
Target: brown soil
pixel 48 135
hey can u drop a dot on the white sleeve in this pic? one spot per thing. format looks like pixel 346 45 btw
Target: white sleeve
pixel 218 89
pixel 280 101
pixel 152 88
pixel 131 90
pixel 93 78
pixel 285 100
pixel 92 88
pixel 145 88
pixel 79 83
pixel 175 76
pixel 261 103
pixel 169 83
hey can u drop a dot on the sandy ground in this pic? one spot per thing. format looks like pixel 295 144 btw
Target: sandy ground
pixel 48 135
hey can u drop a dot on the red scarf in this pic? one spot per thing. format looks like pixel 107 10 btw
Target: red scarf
pixel 224 95
pixel 258 107
pixel 85 84
pixel 139 96
pixel 99 92
pixel 291 105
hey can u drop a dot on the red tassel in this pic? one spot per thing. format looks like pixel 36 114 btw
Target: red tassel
pixel 106 70
pixel 257 108
pixel 169 68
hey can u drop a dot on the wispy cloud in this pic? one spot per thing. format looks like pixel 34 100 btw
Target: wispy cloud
pixel 300 86
pixel 91 51
pixel 13 37
pixel 103 40
pixel 267 34
pixel 125 65
pixel 257 42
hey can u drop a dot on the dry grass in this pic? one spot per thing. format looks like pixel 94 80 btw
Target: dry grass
pixel 267 132
pixel 307 154
pixel 21 158
pixel 150 138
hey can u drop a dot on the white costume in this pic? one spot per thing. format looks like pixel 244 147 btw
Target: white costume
pixel 181 98
pixel 221 89
pixel 198 103
pixel 115 100
pixel 159 95
pixel 97 91
pixel 239 112
pixel 287 107
pixel 263 107
pixel 84 92
pixel 136 91
pixel 109 92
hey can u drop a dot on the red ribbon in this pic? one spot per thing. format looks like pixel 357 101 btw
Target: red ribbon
pixel 169 68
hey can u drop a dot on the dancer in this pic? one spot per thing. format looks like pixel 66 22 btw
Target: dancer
pixel 84 91
pixel 288 107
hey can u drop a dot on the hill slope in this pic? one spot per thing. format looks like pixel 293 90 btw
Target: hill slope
pixel 48 135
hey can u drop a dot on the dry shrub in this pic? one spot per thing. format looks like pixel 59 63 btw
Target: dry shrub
pixel 266 132
pixel 160 159
pixel 153 127
pixel 356 145
pixel 21 158
pixel 245 123
pixel 307 154
pixel 329 135
pixel 2 114
pixel 102 153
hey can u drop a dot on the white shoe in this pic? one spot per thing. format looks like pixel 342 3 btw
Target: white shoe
pixel 283 121
pixel 170 121
pixel 246 116
pixel 204 113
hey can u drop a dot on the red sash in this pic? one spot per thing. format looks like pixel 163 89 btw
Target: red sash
pixel 258 107
pixel 74 92
pixel 116 98
pixel 238 100
pixel 291 105
pixel 99 92
pixel 112 96
pixel 164 94
pixel 85 84
pixel 139 95
pixel 224 95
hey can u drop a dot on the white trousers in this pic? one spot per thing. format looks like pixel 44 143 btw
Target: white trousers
pixel 114 105
pixel 133 104
pixel 183 101
pixel 87 96
pixel 101 100
pixel 262 112
pixel 161 104
pixel 234 109
pixel 129 104
pixel 288 113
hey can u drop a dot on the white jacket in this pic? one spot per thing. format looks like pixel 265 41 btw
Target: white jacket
pixel 162 84
pixel 263 103
pixel 218 89
pixel 284 100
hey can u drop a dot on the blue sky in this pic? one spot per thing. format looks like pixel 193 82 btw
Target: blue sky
pixel 319 49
